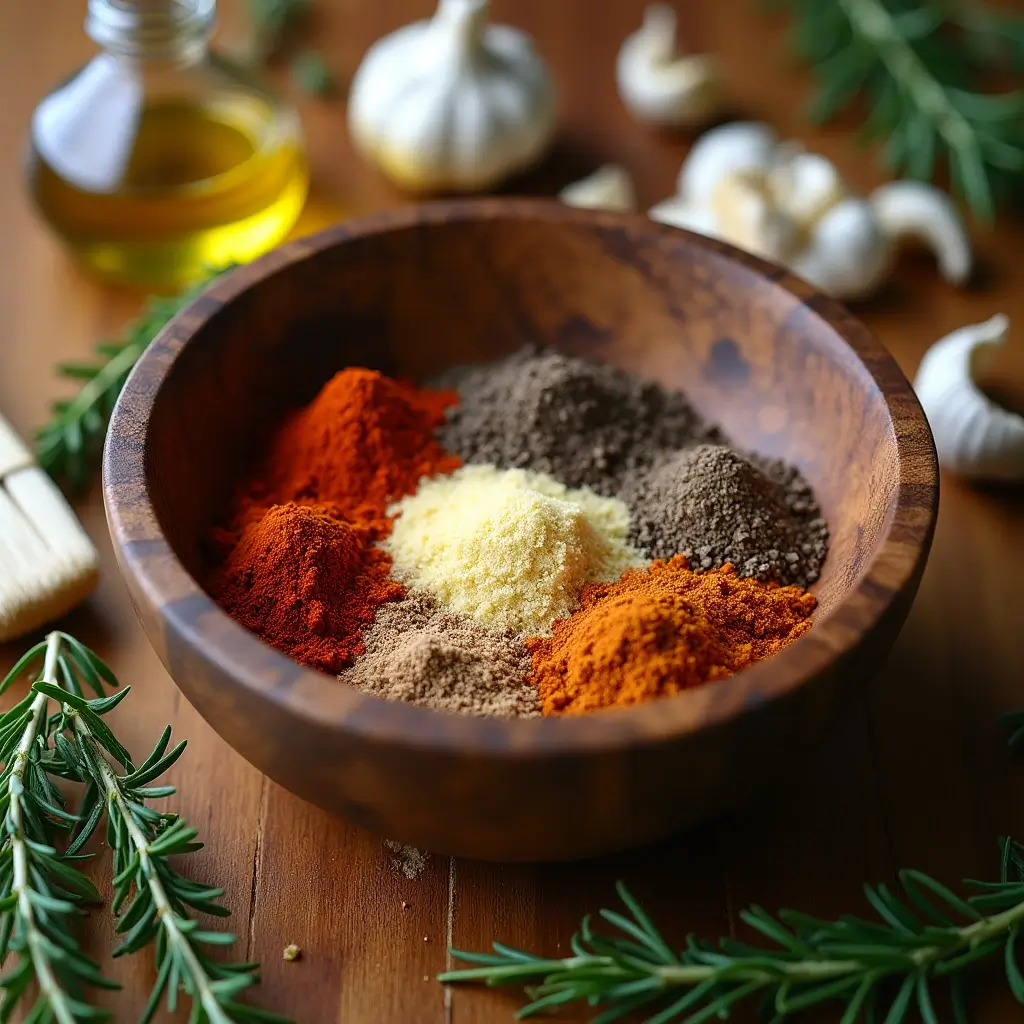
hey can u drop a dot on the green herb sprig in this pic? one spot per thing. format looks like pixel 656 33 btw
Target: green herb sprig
pixel 153 901
pixel 69 446
pixel 40 890
pixel 880 969
pixel 917 63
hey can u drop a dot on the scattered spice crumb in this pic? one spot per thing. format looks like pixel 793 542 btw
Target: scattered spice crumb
pixel 291 952
pixel 426 938
pixel 405 906
pixel 406 860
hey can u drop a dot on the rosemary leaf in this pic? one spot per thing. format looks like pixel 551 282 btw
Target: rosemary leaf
pixel 69 446
pixel 153 901
pixel 808 963
pixel 918 67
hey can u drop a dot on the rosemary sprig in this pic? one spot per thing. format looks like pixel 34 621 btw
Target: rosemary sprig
pixel 152 900
pixel 886 966
pixel 39 889
pixel 911 61
pixel 69 445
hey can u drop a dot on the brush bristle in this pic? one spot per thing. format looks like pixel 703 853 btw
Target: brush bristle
pixel 47 562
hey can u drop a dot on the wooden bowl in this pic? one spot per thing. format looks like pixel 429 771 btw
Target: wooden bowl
pixel 784 370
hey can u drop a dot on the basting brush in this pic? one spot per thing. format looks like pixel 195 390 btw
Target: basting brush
pixel 47 563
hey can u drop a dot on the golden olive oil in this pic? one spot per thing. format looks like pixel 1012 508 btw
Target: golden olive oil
pixel 199 182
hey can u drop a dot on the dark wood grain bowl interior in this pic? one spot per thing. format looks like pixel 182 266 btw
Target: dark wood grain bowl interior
pixel 782 369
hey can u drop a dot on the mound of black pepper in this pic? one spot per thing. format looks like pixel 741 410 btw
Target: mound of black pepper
pixel 714 506
pixel 587 424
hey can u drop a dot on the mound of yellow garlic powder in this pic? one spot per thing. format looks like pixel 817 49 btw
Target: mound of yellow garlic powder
pixel 508 547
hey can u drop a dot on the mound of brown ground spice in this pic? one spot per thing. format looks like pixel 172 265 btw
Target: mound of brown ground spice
pixel 417 653
pixel 306 580
pixel 659 631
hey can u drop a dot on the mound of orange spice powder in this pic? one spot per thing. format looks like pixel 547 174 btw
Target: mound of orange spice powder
pixel 661 630
pixel 362 443
pixel 296 559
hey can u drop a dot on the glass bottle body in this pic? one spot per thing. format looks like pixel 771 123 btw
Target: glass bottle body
pixel 156 168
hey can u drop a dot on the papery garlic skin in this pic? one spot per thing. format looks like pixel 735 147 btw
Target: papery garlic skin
pixel 608 188
pixel 660 86
pixel 805 185
pixel 679 213
pixel 746 216
pixel 452 103
pixel 912 209
pixel 737 147
pixel 848 256
pixel 974 436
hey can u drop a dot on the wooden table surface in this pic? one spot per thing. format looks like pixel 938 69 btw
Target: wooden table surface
pixel 914 775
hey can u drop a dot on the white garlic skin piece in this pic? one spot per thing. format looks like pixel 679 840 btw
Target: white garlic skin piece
pixel 452 104
pixel 678 213
pixel 746 216
pixel 659 85
pixel 974 436
pixel 848 255
pixel 740 146
pixel 608 188
pixel 912 209
pixel 805 185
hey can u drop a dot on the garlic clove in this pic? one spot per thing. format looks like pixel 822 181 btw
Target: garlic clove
pixel 452 103
pixel 678 213
pixel 974 436
pixel 848 254
pixel 747 217
pixel 805 185
pixel 912 209
pixel 740 146
pixel 660 86
pixel 608 188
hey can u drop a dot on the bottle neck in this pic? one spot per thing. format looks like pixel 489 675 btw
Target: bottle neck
pixel 177 30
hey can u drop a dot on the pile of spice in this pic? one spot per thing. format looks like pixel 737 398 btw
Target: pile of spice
pixel 417 653
pixel 660 631
pixel 586 424
pixel 510 548
pixel 363 442
pixel 520 582
pixel 714 506
pixel 307 580
pixel 301 568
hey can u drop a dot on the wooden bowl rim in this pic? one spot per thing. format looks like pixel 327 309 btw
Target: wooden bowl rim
pixel 186 609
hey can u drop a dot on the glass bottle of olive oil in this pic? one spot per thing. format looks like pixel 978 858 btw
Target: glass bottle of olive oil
pixel 158 161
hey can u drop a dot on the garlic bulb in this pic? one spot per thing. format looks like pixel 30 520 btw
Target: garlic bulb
pixel 452 103
pixel 774 199
pixel 974 436
pixel 660 86
pixel 608 188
